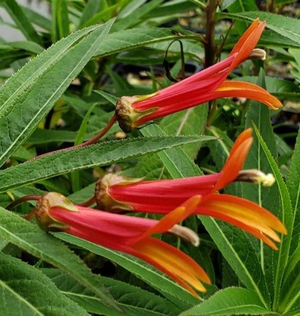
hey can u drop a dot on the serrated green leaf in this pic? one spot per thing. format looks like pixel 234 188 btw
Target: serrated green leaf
pixel 285 26
pixel 46 77
pixel 60 20
pixel 133 300
pixel 136 37
pixel 259 115
pixel 230 301
pixel 28 292
pixel 32 239
pixel 293 184
pixel 172 158
pixel 175 293
pixel 280 260
pixel 103 154
pixel 138 16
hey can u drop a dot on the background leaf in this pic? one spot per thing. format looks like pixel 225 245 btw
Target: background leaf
pixel 26 291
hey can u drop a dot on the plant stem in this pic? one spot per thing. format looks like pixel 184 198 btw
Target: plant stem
pixel 89 202
pixel 88 142
pixel 23 199
pixel 209 46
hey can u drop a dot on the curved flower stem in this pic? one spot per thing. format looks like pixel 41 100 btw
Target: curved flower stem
pixel 89 202
pixel 88 142
pixel 23 199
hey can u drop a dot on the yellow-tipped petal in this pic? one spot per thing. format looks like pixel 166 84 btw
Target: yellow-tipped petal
pixel 173 262
pixel 249 91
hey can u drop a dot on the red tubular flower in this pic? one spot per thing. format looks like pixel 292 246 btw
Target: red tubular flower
pixel 208 84
pixel 115 193
pixel 128 234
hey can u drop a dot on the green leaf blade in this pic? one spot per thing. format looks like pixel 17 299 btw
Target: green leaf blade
pixel 26 291
pixel 87 157
pixel 23 114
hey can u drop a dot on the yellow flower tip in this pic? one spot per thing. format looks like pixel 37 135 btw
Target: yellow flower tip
pixel 258 53
pixel 256 176
pixel 186 234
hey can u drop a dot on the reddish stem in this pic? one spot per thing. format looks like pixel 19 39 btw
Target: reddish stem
pixel 89 202
pixel 88 142
pixel 23 199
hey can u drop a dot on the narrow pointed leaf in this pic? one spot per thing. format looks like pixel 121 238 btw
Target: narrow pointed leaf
pixel 21 20
pixel 133 300
pixel 293 184
pixel 136 37
pixel 285 26
pixel 26 291
pixel 23 110
pixel 231 301
pixel 286 216
pixel 102 154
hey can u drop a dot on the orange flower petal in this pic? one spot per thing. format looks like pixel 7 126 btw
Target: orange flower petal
pixel 250 210
pixel 235 161
pixel 239 224
pixel 244 214
pixel 177 215
pixel 237 47
pixel 249 91
pixel 247 42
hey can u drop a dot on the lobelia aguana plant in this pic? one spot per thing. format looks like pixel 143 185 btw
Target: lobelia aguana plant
pixel 208 84
pixel 40 274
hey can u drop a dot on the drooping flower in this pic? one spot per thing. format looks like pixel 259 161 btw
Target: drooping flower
pixel 208 84
pixel 115 193
pixel 128 234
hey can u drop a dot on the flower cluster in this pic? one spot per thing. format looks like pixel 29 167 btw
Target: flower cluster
pixel 128 234
pixel 115 193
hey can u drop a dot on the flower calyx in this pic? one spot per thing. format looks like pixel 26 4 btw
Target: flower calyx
pixel 103 198
pixel 43 211
pixel 127 115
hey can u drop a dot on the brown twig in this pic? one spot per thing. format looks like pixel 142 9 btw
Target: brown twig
pixel 23 199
